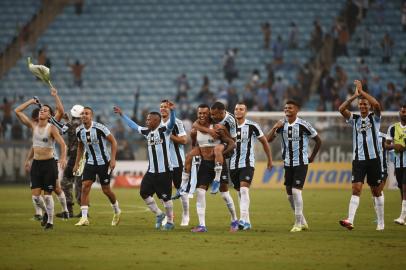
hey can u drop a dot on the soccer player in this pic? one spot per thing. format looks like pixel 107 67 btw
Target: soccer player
pixel 366 157
pixel 177 141
pixel 44 171
pixel 92 138
pixel 295 133
pixel 58 190
pixel 396 140
pixel 242 162
pixel 205 175
pixel 220 116
pixel 158 178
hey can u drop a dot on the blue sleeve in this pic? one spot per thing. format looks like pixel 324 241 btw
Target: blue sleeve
pixel 131 123
pixel 172 121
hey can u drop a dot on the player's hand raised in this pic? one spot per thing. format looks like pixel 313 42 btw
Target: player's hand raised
pixel 54 92
pixel 171 105
pixel 117 110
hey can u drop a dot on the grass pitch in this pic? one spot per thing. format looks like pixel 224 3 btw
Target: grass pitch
pixel 135 244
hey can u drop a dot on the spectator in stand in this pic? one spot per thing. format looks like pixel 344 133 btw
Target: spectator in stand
pixel 305 78
pixel 77 70
pixel 6 107
pixel 380 11
pixel 402 63
pixel 17 131
pixel 232 98
pixel 248 96
pixel 351 12
pixel 343 38
pixel 327 51
pixel 387 48
pixel 365 42
pixel 262 97
pixel 270 74
pixel 79 6
pixel 375 87
pixel 278 49
pixel 278 90
pixel 182 85
pixel 266 32
pixel 403 18
pixel 229 68
pixel 326 88
pixel 205 95
pixel 124 150
pixel 43 59
pixel 293 40
pixel 119 130
pixel 389 98
pixel 316 38
pixel 255 79
pixel 363 69
pixel 341 78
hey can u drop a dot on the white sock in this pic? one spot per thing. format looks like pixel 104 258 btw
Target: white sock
pixel 84 209
pixel 185 180
pixel 201 206
pixel 230 204
pixel 49 205
pixel 62 201
pixel 116 208
pixel 403 213
pixel 185 204
pixel 169 210
pixel 298 202
pixel 354 202
pixel 292 205
pixel 39 204
pixel 218 169
pixel 379 209
pixel 150 202
pixel 244 203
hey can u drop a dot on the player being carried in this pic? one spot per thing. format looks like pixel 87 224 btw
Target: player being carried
pixel 205 145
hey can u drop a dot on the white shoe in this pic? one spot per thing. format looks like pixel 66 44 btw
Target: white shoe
pixel 82 222
pixel 185 221
pixel 305 227
pixel 380 227
pixel 400 221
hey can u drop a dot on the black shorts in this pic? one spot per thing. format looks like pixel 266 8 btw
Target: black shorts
pixel 400 176
pixel 241 175
pixel 224 178
pixel 369 168
pixel 44 174
pixel 295 176
pixel 205 174
pixel 90 172
pixel 177 177
pixel 159 183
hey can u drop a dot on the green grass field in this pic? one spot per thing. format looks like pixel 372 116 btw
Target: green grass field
pixel 135 244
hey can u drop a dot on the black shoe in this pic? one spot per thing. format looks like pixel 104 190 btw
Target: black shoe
pixel 44 220
pixel 37 218
pixel 63 215
pixel 49 226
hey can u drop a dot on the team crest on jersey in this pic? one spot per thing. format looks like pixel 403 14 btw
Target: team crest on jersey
pixel 154 139
pixel 364 126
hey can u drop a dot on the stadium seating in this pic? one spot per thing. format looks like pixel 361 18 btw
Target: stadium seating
pixel 391 25
pixel 14 14
pixel 148 43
